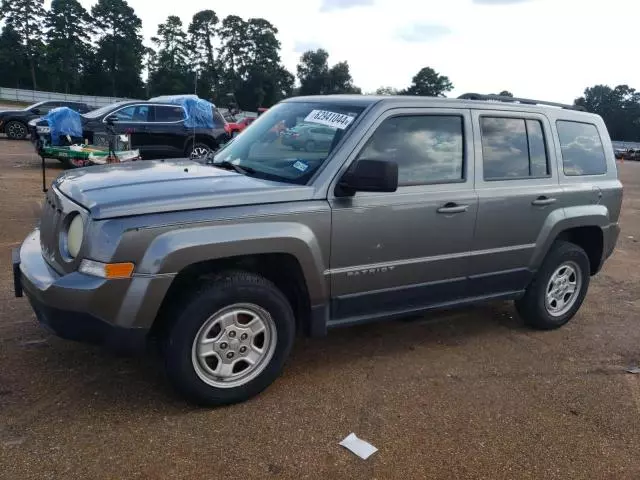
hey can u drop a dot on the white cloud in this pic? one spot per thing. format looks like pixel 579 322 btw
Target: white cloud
pixel 547 49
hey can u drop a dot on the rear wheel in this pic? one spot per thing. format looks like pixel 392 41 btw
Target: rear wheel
pixel 229 341
pixel 558 289
pixel 16 130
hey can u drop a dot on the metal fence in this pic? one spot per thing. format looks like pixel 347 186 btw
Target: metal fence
pixel 33 96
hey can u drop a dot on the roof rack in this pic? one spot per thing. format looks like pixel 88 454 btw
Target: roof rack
pixel 525 101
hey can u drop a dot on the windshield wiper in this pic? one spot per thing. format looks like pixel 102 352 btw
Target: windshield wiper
pixel 227 165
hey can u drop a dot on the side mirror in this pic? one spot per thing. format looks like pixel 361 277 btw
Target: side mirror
pixel 369 176
pixel 110 119
pixel 36 111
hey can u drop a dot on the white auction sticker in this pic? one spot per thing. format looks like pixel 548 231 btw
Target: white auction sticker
pixel 330 119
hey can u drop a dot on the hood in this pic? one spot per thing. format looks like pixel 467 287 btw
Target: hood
pixel 10 112
pixel 154 186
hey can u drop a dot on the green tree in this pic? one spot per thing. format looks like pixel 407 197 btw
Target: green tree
pixel 619 107
pixel 170 71
pixel 232 53
pixel 506 93
pixel 202 37
pixel 317 78
pixel 250 64
pixel 14 69
pixel 313 72
pixel 340 81
pixel 68 44
pixel 25 19
pixel 120 51
pixel 429 83
pixel 387 91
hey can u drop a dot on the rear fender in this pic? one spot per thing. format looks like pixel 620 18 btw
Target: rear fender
pixel 562 220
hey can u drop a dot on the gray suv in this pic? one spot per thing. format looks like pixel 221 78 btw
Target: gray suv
pixel 418 203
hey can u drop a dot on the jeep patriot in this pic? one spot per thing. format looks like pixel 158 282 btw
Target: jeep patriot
pixel 416 203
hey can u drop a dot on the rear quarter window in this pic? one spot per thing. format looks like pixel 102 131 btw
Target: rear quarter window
pixel 582 150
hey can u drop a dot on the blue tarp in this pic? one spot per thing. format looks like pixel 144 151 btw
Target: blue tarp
pixel 63 121
pixel 199 111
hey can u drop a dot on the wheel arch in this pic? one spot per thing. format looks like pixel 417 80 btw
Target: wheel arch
pixel 288 254
pixel 583 226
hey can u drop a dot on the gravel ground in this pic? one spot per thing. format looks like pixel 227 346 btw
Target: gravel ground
pixel 460 394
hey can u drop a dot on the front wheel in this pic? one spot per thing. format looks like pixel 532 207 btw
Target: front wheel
pixel 558 289
pixel 16 130
pixel 230 340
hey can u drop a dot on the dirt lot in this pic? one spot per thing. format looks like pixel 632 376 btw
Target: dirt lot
pixel 465 394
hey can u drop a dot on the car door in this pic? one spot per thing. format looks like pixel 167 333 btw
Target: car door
pixel 165 130
pixel 518 190
pixel 407 250
pixel 131 120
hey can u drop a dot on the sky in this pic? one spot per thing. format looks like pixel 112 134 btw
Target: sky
pixel 543 49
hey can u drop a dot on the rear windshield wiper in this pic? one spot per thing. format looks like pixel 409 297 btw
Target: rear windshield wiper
pixel 227 165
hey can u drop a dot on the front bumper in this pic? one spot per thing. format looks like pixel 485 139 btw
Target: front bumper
pixel 114 313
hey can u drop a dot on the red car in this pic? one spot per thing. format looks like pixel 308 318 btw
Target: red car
pixel 236 127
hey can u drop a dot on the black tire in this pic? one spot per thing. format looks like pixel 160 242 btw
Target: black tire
pixel 225 290
pixel 310 146
pixel 195 151
pixel 532 306
pixel 16 130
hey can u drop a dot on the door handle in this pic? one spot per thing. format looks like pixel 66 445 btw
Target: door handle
pixel 452 207
pixel 543 200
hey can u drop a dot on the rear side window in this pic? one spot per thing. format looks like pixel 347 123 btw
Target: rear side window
pixel 513 148
pixel 582 150
pixel 165 113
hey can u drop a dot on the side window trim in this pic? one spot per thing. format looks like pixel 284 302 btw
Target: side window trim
pixel 469 168
pixel 548 133
pixel 426 113
pixel 155 107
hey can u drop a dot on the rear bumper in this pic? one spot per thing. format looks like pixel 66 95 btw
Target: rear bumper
pixel 115 313
pixel 610 239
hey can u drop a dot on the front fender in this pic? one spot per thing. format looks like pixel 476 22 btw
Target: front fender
pixel 174 250
pixel 562 220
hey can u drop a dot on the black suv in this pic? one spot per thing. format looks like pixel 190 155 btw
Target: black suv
pixel 15 122
pixel 156 129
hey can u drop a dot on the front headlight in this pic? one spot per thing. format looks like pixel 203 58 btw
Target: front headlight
pixel 75 232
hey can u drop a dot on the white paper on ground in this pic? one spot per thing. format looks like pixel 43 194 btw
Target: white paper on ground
pixel 361 448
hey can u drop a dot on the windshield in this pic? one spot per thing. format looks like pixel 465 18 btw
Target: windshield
pixel 290 141
pixel 33 106
pixel 102 110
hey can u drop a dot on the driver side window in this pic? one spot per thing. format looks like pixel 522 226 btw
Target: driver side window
pixel 134 113
pixel 427 148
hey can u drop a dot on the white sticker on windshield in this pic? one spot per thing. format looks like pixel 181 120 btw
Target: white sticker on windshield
pixel 330 119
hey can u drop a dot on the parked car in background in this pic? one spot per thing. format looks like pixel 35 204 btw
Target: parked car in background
pixel 236 127
pixel 310 138
pixel 15 123
pixel 156 128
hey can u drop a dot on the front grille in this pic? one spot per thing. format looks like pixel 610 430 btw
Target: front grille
pixel 50 223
